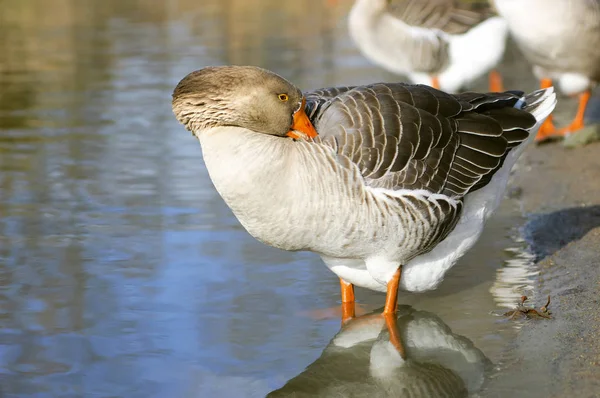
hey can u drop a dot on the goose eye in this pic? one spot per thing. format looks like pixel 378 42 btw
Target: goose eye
pixel 283 97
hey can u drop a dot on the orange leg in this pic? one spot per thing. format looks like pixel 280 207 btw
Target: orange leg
pixel 347 291
pixel 547 129
pixel 435 82
pixel 395 339
pixel 577 123
pixel 495 81
pixel 348 312
pixel 391 298
pixel 348 307
pixel 389 312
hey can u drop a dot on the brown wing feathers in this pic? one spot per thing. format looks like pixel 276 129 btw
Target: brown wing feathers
pixel 316 99
pixel 415 137
pixel 450 16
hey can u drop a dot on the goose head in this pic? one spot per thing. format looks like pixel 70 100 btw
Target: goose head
pixel 241 96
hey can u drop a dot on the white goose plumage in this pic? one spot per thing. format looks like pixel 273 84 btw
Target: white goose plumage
pixel 443 43
pixel 399 176
pixel 560 39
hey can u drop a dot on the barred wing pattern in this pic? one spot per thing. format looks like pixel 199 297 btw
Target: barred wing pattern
pixel 450 16
pixel 430 147
pixel 415 137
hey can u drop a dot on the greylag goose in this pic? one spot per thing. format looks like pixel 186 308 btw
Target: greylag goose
pixel 375 179
pixel 561 39
pixel 443 43
pixel 439 363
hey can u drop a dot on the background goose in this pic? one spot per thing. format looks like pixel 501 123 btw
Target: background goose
pixel 561 39
pixel 438 362
pixel 399 175
pixel 443 43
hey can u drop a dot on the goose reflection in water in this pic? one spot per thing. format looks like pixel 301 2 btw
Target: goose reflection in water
pixel 362 361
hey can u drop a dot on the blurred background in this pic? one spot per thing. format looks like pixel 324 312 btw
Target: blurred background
pixel 122 272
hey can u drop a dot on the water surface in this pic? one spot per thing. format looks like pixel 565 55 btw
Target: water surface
pixel 122 272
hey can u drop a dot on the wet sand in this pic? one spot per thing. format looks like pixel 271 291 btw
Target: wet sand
pixel 559 191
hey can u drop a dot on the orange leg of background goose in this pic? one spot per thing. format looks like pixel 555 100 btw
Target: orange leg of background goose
pixel 547 129
pixel 577 123
pixel 435 82
pixel 348 307
pixel 495 81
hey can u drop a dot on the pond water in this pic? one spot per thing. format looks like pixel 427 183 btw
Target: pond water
pixel 123 273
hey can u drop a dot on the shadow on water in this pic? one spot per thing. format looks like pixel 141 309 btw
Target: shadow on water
pixel 360 361
pixel 548 233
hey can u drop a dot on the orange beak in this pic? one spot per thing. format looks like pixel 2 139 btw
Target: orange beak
pixel 301 126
